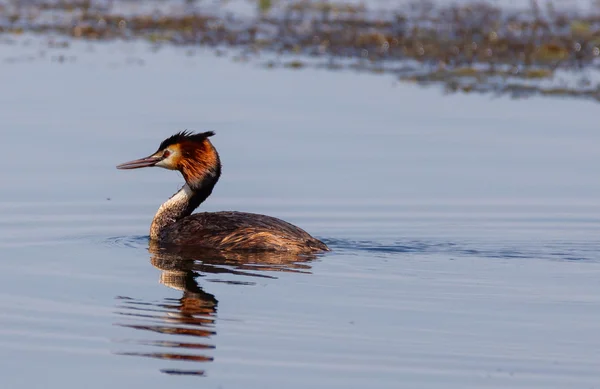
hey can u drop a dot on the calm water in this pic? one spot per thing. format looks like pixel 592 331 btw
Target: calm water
pixel 465 229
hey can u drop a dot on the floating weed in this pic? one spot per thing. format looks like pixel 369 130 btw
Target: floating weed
pixel 294 64
pixel 466 71
pixel 552 52
pixel 468 47
pixel 538 73
pixel 264 6
pixel 581 28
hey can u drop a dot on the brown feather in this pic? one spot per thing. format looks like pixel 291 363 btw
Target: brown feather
pixel 240 231
pixel 197 160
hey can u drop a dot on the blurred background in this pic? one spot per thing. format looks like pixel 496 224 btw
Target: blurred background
pixel 446 151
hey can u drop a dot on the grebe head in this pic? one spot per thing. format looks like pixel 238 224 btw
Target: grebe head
pixel 192 154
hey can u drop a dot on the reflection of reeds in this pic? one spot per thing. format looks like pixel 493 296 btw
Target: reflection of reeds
pixel 509 45
pixel 193 316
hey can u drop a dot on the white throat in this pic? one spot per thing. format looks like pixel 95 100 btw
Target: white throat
pixel 171 210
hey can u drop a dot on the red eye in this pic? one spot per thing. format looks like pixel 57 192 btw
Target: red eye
pixel 166 154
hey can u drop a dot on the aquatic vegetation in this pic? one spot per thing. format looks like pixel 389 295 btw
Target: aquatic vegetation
pixel 468 47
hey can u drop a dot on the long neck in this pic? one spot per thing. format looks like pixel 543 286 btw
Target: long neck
pixel 201 169
pixel 180 205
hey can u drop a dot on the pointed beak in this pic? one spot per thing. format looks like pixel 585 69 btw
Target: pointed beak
pixel 139 163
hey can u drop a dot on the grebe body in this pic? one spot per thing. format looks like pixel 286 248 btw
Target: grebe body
pixel 198 161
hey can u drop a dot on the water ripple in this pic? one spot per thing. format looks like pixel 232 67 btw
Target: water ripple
pixel 193 315
pixel 134 241
pixel 567 251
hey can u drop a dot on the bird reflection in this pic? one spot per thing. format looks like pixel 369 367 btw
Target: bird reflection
pixel 187 324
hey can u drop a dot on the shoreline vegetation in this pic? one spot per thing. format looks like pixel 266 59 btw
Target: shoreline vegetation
pixel 473 47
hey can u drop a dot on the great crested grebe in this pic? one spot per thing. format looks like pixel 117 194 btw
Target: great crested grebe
pixel 198 161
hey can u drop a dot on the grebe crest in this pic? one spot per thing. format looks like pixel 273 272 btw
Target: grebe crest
pixel 195 157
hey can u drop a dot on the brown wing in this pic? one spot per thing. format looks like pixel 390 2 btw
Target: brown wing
pixel 240 231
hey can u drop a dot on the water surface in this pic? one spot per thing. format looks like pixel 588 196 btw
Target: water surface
pixel 464 229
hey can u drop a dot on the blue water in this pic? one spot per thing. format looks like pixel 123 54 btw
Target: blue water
pixel 464 229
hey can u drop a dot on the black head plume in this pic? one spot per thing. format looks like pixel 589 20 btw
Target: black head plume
pixel 185 136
